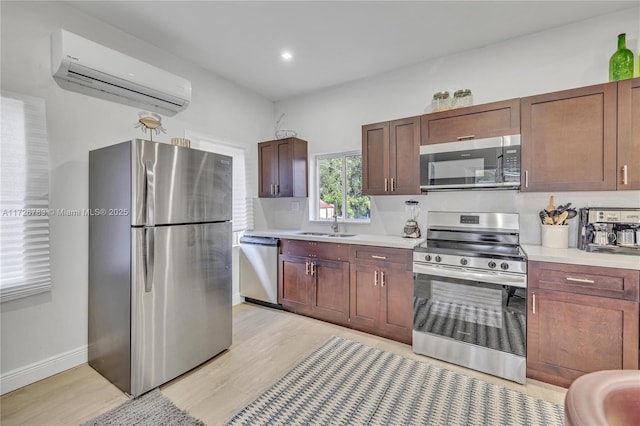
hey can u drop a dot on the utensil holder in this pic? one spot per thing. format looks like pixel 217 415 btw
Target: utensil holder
pixel 554 236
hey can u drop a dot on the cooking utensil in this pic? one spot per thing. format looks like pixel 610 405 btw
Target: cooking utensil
pixel 548 220
pixel 543 215
pixel 559 220
pixel 551 206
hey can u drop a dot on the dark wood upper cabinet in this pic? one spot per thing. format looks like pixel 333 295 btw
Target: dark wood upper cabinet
pixel 375 159
pixel 391 157
pixel 475 122
pixel 569 140
pixel 629 134
pixel 282 168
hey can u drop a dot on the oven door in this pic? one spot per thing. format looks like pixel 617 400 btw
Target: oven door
pixel 477 163
pixel 487 309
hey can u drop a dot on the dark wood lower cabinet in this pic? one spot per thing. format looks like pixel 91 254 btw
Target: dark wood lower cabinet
pixel 382 292
pixel 315 287
pixel 294 284
pixel 362 287
pixel 570 333
pixel 330 290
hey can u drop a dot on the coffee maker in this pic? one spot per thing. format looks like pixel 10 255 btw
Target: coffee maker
pixel 609 230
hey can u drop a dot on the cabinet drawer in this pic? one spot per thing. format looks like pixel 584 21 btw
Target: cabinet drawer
pixel 475 122
pixel 368 254
pixel 590 280
pixel 304 248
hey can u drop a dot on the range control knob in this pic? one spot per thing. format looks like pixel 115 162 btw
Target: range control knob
pixel 428 258
pixel 464 261
pixel 504 266
pixel 492 264
pixel 438 259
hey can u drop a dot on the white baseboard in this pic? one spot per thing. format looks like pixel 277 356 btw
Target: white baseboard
pixel 15 379
pixel 236 299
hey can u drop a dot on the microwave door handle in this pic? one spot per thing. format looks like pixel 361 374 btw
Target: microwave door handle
pixel 499 169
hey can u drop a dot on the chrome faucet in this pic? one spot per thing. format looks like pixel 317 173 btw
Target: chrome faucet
pixel 334 225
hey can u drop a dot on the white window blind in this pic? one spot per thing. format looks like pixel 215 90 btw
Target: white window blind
pixel 242 205
pixel 24 198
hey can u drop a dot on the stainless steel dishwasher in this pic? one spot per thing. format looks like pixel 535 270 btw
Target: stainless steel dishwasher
pixel 259 270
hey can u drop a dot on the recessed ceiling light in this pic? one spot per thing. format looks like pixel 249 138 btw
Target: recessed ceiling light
pixel 287 56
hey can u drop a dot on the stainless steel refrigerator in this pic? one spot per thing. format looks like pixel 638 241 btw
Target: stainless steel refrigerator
pixel 159 261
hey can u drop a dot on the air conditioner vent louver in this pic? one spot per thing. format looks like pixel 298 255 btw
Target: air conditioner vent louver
pixel 86 67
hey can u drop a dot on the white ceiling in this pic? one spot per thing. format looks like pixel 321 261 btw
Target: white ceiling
pixel 333 42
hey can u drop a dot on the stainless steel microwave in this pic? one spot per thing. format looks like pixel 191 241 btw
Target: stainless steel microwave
pixel 471 164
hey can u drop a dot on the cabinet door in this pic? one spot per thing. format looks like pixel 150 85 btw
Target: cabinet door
pixel 396 316
pixel 330 290
pixel 569 335
pixel 404 156
pixel 267 169
pixel 569 140
pixel 475 122
pixel 293 283
pixel 629 134
pixel 284 182
pixel 375 159
pixel 365 297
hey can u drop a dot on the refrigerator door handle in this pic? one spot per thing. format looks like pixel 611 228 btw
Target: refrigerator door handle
pixel 149 255
pixel 150 194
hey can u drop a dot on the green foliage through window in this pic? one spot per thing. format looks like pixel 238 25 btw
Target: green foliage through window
pixel 340 187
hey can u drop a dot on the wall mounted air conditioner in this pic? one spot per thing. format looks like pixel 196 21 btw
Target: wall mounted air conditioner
pixel 82 66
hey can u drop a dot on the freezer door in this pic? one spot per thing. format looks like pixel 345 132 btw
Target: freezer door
pixel 175 185
pixel 181 300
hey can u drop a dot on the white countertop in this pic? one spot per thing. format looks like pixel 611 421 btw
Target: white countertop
pixel 579 257
pixel 361 239
pixel 534 252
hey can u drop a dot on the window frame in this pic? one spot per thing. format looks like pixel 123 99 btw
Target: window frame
pixel 314 210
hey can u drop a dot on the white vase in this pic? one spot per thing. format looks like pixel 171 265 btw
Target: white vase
pixel 554 236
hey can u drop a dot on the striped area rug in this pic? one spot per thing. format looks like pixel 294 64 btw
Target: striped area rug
pixel 347 383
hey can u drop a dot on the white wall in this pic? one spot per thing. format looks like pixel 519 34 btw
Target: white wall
pixel 572 56
pixel 47 333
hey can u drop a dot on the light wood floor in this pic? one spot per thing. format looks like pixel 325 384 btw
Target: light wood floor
pixel 266 344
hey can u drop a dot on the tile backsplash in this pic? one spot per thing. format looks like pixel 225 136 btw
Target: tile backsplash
pixel 387 212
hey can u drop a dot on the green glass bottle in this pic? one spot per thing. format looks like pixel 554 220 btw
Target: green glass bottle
pixel 621 62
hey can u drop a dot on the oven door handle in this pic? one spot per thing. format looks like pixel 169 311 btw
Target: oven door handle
pixel 502 278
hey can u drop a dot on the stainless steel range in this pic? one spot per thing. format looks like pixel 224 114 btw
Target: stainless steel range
pixel 469 293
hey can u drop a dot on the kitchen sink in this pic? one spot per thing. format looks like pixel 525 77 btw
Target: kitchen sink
pixel 325 234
